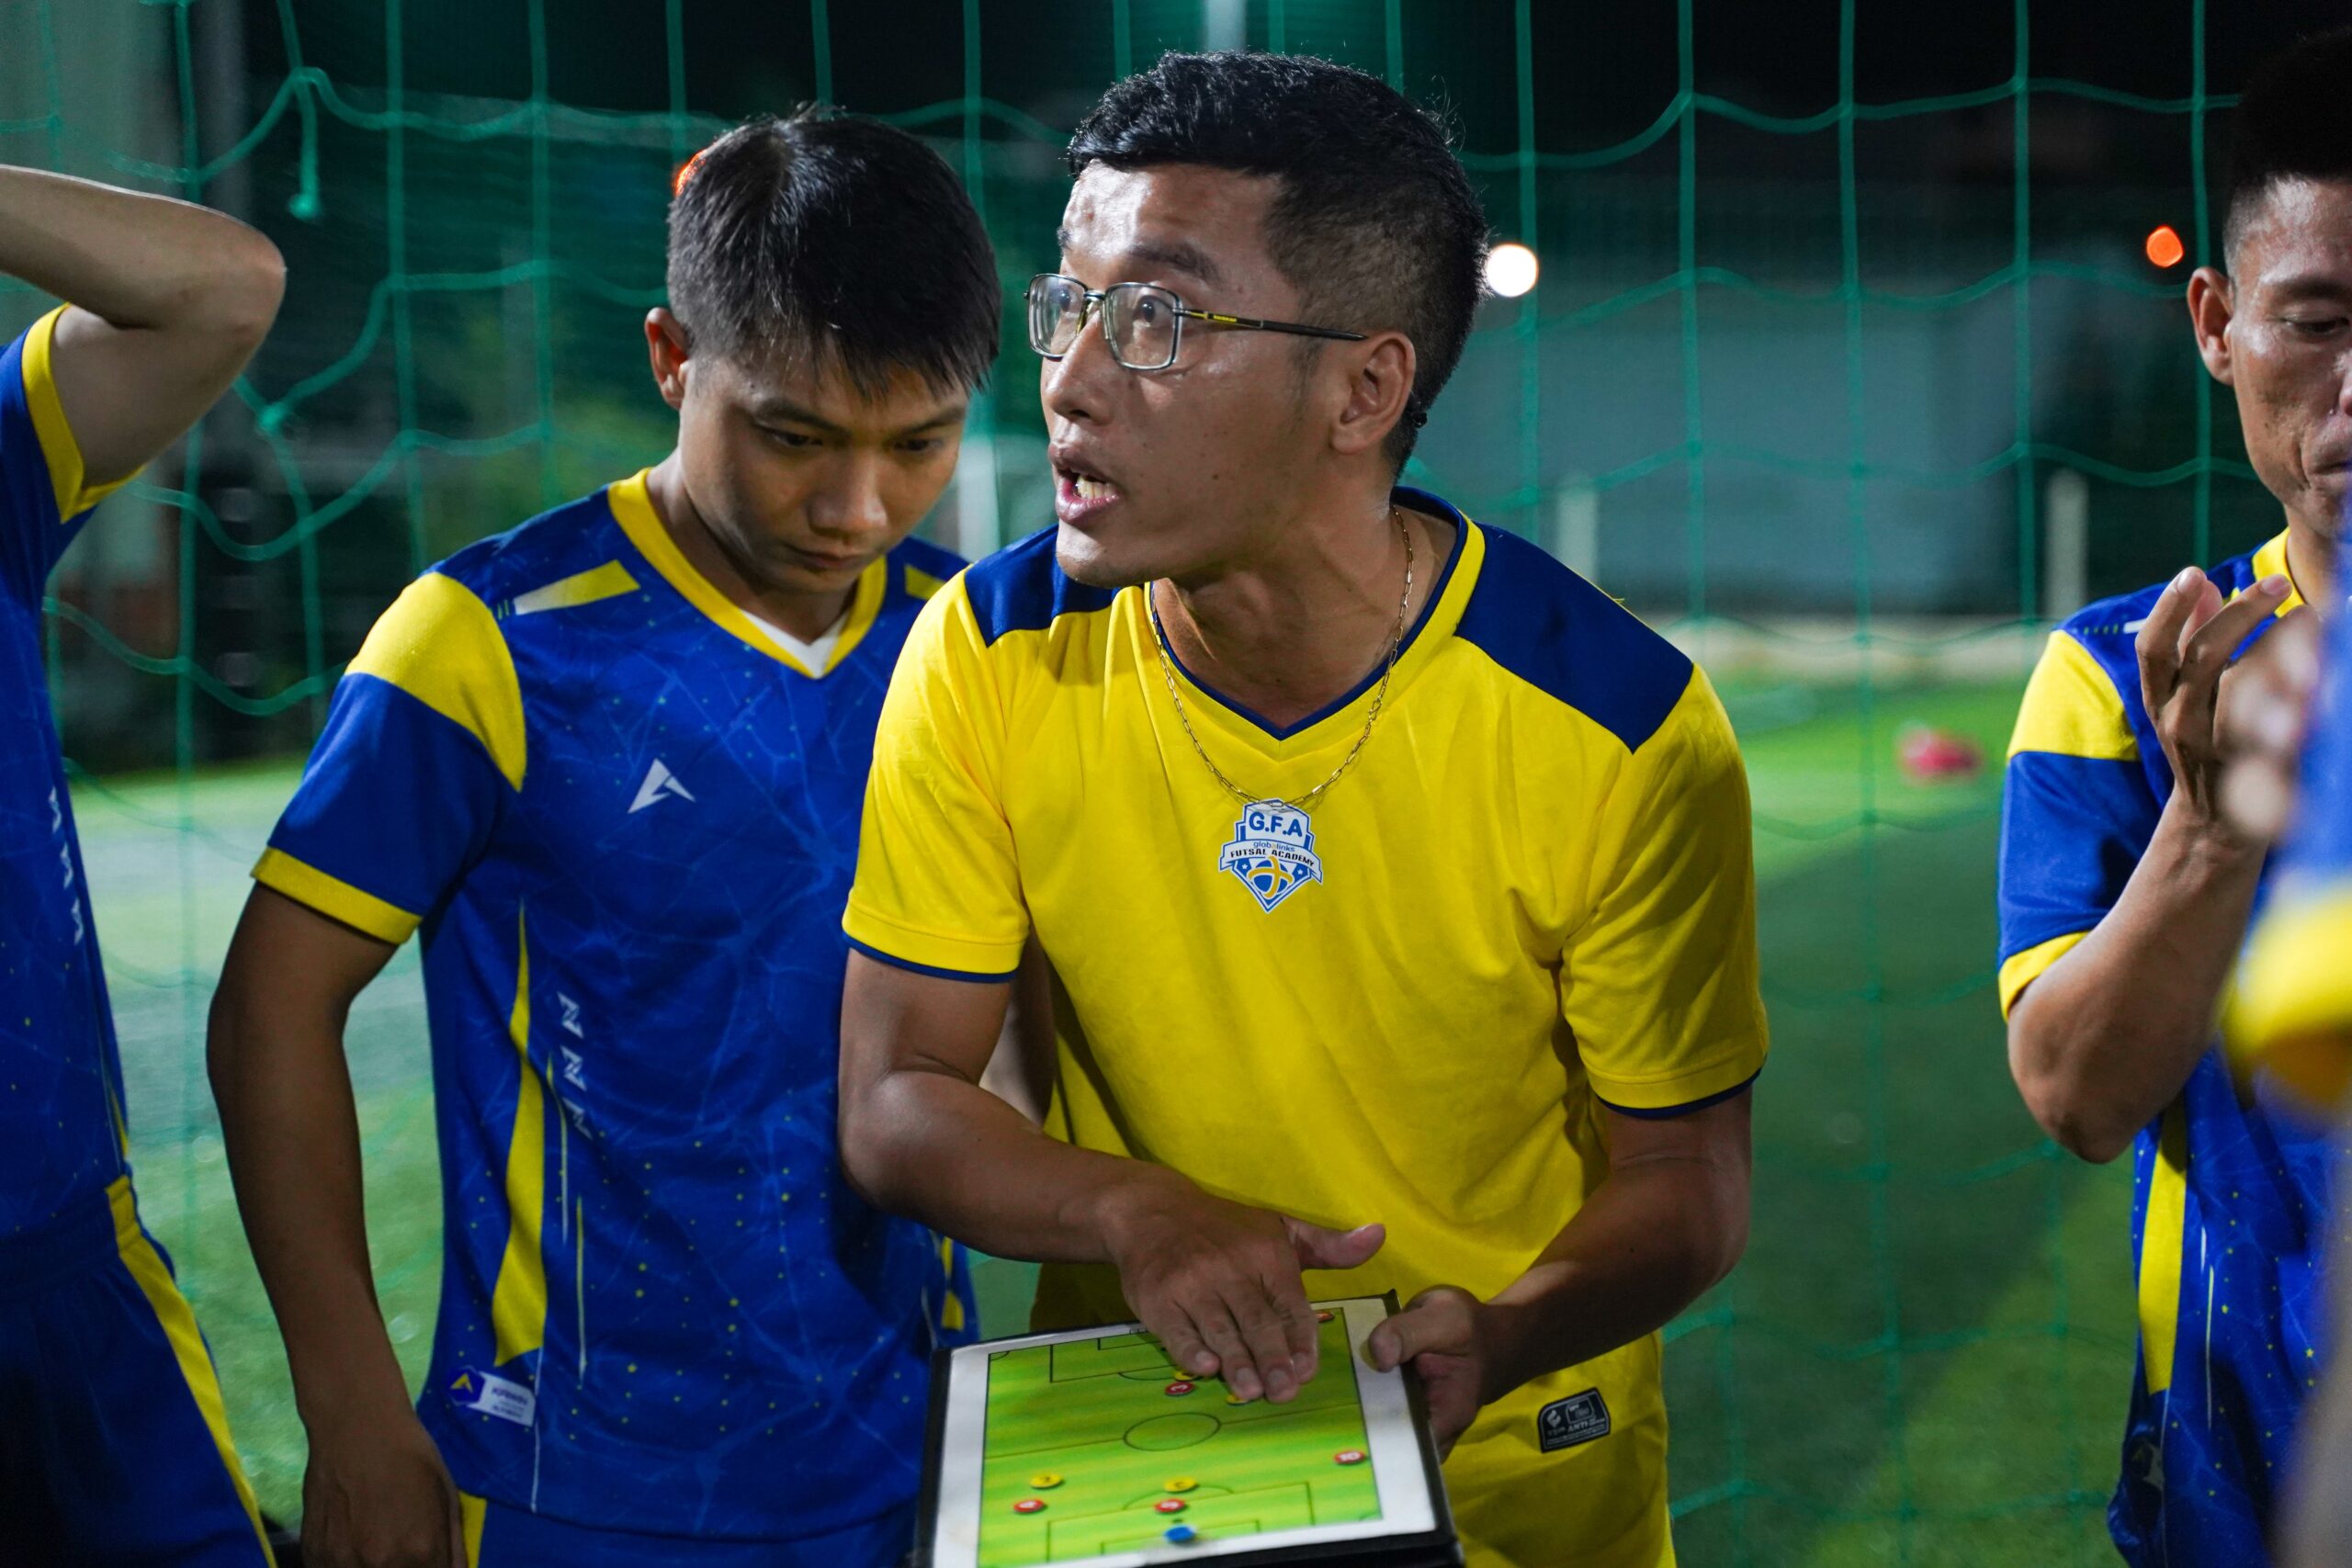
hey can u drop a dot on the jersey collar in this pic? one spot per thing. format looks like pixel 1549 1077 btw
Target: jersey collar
pixel 1439 614
pixel 2270 560
pixel 632 505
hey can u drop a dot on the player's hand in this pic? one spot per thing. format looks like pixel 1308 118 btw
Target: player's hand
pixel 2262 727
pixel 1218 1282
pixel 2185 647
pixel 1440 1334
pixel 377 1495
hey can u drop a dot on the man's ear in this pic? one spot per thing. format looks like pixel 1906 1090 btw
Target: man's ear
pixel 1380 392
pixel 2210 305
pixel 666 347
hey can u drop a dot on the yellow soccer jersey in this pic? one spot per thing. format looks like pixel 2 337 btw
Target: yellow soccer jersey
pixel 1532 893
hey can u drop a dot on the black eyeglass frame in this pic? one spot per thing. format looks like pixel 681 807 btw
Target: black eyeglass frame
pixel 1090 302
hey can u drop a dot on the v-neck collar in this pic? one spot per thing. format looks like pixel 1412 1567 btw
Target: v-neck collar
pixel 632 505
pixel 1410 654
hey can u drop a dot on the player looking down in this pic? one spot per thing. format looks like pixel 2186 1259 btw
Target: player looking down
pixel 2126 891
pixel 609 766
pixel 114 1446
pixel 1399 880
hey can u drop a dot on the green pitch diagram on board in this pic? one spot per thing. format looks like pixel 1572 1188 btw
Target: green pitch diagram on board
pixel 1096 1446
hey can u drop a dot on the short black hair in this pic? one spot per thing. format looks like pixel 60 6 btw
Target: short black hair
pixel 838 236
pixel 2291 124
pixel 1376 223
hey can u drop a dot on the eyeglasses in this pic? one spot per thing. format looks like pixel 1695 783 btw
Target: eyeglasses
pixel 1143 323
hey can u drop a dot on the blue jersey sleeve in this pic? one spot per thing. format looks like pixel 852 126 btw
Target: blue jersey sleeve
pixel 45 496
pixel 2291 1006
pixel 423 752
pixel 2076 813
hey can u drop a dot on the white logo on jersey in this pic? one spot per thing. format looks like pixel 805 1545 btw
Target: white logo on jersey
pixel 659 781
pixel 574 1071
pixel 65 863
pixel 571 1015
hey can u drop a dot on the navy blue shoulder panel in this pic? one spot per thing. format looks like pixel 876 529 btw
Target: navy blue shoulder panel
pixel 927 557
pixel 1020 588
pixel 560 541
pixel 1568 639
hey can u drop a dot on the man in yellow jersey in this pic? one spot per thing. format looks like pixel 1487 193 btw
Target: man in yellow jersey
pixel 114 1446
pixel 1398 881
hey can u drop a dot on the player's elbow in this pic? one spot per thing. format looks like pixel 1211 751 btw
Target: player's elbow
pixel 865 1128
pixel 2068 1104
pixel 251 284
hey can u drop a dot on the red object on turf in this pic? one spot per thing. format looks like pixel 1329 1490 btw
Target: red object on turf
pixel 1170 1504
pixel 1348 1456
pixel 1180 1387
pixel 1930 755
pixel 1030 1506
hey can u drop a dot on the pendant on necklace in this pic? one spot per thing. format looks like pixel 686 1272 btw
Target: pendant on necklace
pixel 1272 850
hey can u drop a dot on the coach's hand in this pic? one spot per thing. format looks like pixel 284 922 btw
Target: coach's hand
pixel 377 1495
pixel 2185 647
pixel 1218 1282
pixel 1442 1335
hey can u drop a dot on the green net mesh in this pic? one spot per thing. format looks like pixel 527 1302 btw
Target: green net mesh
pixel 1849 399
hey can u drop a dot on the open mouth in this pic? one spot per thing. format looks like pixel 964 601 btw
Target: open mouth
pixel 1080 488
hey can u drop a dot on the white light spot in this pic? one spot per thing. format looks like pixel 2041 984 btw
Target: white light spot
pixel 1511 270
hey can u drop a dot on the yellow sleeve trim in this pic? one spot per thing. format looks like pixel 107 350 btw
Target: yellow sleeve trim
pixel 2071 708
pixel 2291 1011
pixel 338 900
pixel 440 644
pixel 74 494
pixel 178 1324
pixel 2160 1250
pixel 2022 969
pixel 930 950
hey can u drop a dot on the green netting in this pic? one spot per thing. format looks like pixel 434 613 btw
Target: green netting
pixel 1794 393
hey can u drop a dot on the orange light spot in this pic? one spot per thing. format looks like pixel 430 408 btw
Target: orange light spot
pixel 2164 246
pixel 686 172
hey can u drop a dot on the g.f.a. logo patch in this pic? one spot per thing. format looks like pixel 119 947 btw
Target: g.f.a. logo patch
pixel 1272 852
pixel 1579 1418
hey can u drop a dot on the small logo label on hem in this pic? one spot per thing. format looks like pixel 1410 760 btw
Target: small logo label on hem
pixel 489 1395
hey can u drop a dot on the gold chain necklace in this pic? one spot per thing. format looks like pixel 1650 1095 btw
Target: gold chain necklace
pixel 1371 716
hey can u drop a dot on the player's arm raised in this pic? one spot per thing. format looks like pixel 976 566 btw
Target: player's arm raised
pixel 2104 1039
pixel 170 300
pixel 376 1493
pixel 1218 1282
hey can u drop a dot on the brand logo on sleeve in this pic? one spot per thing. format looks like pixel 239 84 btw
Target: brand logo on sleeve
pixel 1579 1418
pixel 659 785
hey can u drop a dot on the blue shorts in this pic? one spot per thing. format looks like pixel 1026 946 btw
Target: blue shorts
pixel 501 1537
pixel 114 1448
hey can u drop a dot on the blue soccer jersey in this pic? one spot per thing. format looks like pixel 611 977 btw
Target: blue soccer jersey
pixel 624 819
pixel 2292 1007
pixel 62 1138
pixel 2229 1197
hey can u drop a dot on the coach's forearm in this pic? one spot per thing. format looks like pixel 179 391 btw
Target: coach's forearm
pixel 292 1131
pixel 136 261
pixel 1652 1239
pixel 2105 1039
pixel 937 1147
